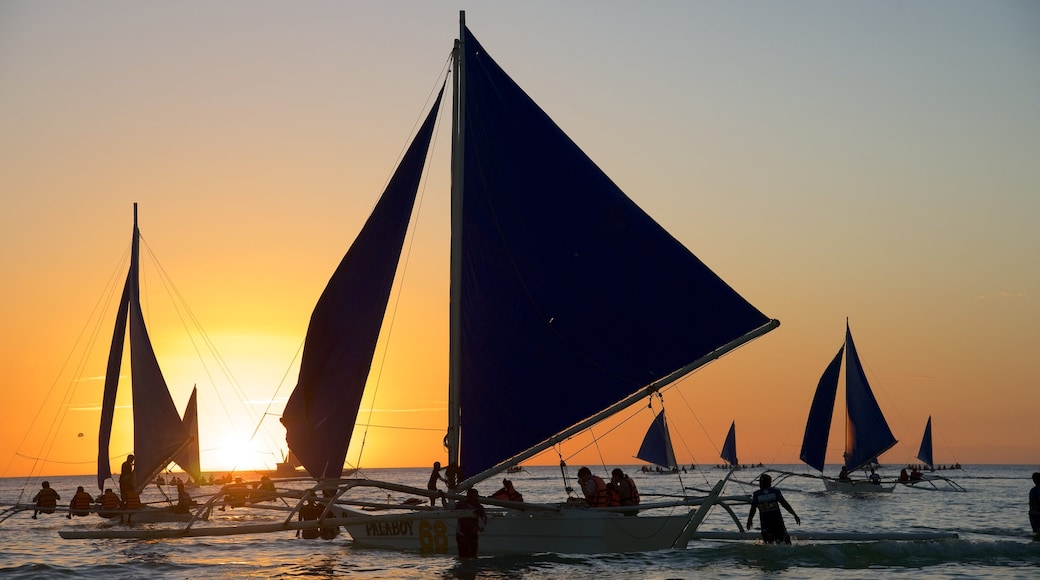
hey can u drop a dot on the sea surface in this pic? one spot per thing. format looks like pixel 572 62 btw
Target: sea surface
pixel 991 519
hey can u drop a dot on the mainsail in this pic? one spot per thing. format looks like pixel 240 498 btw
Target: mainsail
pixel 344 326
pixel 657 444
pixel 571 298
pixel 729 448
pixel 925 453
pixel 867 434
pixel 159 432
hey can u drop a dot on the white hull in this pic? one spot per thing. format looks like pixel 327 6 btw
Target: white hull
pixel 569 531
pixel 857 486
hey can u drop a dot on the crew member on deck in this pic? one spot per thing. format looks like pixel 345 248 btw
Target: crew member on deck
pixel 431 485
pixel 126 476
pixel 769 500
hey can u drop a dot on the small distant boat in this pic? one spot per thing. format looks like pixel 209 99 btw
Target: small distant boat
pixel 656 447
pixel 867 434
pixel 925 455
pixel 729 447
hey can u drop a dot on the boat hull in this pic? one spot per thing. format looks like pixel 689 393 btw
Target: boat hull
pixel 857 486
pixel 567 532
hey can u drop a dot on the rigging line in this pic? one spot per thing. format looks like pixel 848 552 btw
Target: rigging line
pixel 94 316
pixel 595 441
pixel 703 430
pixel 413 226
pixel 182 309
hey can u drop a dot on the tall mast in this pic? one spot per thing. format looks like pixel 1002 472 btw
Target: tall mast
pixel 458 132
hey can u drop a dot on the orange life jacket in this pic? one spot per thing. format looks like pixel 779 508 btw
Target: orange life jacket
pixel 633 497
pixel 80 504
pixel 131 500
pixel 600 497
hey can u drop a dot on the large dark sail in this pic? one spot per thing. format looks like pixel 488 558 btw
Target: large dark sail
pixel 159 432
pixel 572 297
pixel 345 324
pixel 866 432
pixel 818 425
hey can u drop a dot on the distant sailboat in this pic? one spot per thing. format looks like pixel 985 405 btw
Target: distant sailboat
pixel 729 447
pixel 867 434
pixel 925 455
pixel 657 444
pixel 161 434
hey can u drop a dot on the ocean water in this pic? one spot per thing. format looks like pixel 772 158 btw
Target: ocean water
pixel 994 541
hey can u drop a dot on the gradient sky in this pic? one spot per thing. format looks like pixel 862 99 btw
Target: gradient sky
pixel 870 160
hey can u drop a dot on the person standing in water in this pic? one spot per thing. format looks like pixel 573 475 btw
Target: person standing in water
pixel 769 500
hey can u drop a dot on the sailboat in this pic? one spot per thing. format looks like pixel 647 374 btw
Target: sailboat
pixel 566 300
pixel 729 447
pixel 550 263
pixel 925 455
pixel 867 434
pixel 656 447
pixel 161 434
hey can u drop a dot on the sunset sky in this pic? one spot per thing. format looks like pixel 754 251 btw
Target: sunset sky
pixel 876 161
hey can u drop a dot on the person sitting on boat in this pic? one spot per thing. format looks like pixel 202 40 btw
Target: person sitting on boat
pixel 126 476
pixel 874 477
pixel 915 475
pixel 431 485
pixel 508 492
pixel 235 494
pixel 844 474
pixel 80 504
pixel 108 504
pixel 593 487
pixel 184 501
pixel 46 500
pixel 467 534
pixel 1034 504
pixel 903 476
pixel 769 500
pixel 626 489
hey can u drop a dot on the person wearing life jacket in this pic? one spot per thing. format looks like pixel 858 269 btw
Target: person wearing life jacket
pixel 594 488
pixel 131 500
pixel 626 489
pixel 46 500
pixel 109 504
pixel 508 492
pixel 80 504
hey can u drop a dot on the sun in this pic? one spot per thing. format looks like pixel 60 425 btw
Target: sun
pixel 235 453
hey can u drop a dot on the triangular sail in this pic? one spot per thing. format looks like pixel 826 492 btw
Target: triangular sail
pixel 866 432
pixel 925 453
pixel 345 324
pixel 159 433
pixel 188 458
pixel 657 444
pixel 729 448
pixel 571 298
pixel 818 425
